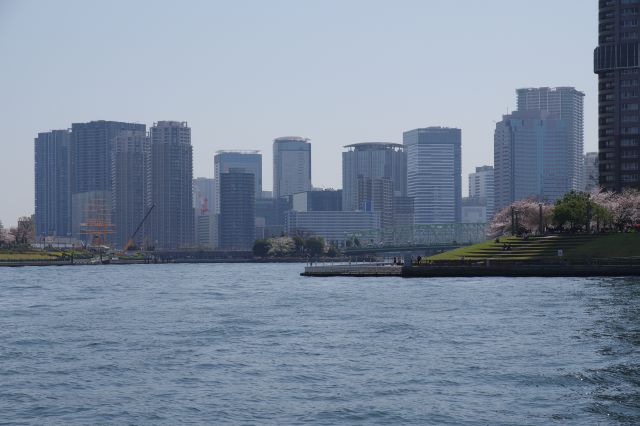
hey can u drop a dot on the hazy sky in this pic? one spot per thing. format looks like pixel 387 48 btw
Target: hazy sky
pixel 242 73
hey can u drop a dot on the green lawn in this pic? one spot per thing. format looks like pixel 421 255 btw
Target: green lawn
pixel 613 245
pixel 28 255
pixel 578 246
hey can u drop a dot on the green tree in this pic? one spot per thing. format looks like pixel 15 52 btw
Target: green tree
pixel 261 247
pixel 576 209
pixel 299 243
pixel 314 246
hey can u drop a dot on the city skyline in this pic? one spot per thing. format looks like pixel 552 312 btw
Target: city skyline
pixel 374 96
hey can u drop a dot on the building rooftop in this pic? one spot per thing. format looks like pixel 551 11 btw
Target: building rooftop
pixel 371 146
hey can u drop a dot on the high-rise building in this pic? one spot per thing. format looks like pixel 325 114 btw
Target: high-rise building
pixel 270 216
pixel 566 104
pixel 530 157
pixel 204 194
pixel 376 195
pixel 327 200
pixel 52 183
pixel 591 171
pixel 481 189
pixel 237 220
pixel 617 63
pixel 91 175
pixel 372 160
pixel 129 152
pixel 291 166
pixel 538 148
pixel 170 185
pixel 474 210
pixel 249 161
pixel 434 174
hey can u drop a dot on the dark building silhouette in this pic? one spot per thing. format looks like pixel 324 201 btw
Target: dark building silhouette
pixel 617 63
pixel 129 154
pixel 270 213
pixel 170 186
pixel 92 175
pixel 53 183
pixel 237 220
pixel 326 200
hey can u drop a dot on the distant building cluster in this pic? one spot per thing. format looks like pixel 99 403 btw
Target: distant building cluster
pixel 107 182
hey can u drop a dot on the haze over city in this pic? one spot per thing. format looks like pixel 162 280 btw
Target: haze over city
pixel 244 73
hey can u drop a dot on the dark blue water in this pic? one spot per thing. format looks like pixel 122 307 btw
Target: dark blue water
pixel 257 344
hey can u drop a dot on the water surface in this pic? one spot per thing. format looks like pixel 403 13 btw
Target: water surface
pixel 258 344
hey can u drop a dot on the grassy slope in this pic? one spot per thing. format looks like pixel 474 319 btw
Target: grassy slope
pixel 614 245
pixel 611 245
pixel 28 255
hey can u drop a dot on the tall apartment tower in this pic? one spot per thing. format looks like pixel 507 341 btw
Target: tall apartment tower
pixel 249 161
pixel 237 220
pixel 170 185
pixel 291 166
pixel 567 104
pixel 204 196
pixel 373 160
pixel 53 183
pixel 591 171
pixel 91 172
pixel 434 174
pixel 481 188
pixel 129 154
pixel 617 63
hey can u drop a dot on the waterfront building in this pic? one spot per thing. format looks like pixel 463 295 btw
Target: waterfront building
pixel 434 174
pixel 317 200
pixel 372 160
pixel 53 183
pixel 529 158
pixel 204 190
pixel 617 63
pixel 249 161
pixel 591 171
pixel 334 226
pixel 130 151
pixel 170 185
pixel 291 166
pixel 481 189
pixel 237 219
pixel 566 104
pixel 538 148
pixel 92 175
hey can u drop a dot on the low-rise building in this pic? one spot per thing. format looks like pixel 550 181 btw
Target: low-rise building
pixel 334 226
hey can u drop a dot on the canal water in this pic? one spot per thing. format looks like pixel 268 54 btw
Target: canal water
pixel 258 344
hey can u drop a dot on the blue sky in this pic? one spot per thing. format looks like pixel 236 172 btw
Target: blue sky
pixel 245 72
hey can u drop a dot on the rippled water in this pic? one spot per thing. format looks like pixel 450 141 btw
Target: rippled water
pixel 257 344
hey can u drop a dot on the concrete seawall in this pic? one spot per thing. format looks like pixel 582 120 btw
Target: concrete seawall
pixel 504 270
pixel 372 270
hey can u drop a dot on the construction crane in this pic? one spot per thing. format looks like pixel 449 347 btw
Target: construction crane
pixel 131 242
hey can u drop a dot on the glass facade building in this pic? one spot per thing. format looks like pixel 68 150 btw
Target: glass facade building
pixel 373 160
pixel 52 183
pixel 237 220
pixel 434 170
pixel 291 166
